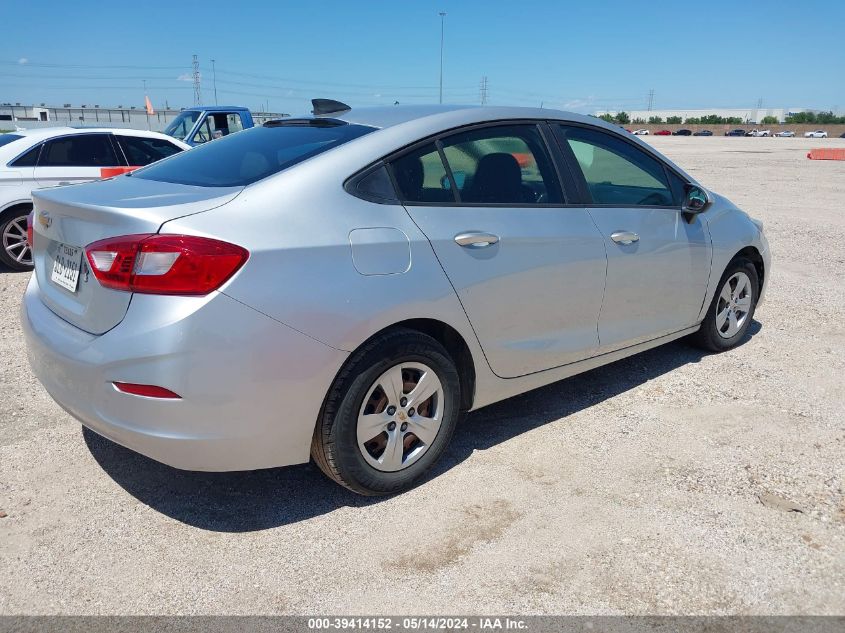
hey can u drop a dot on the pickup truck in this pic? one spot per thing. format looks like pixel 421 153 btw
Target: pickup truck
pixel 205 123
pixel 756 132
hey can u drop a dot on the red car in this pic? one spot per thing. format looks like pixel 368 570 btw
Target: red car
pixel 663 133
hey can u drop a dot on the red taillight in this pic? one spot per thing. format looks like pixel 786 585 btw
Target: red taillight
pixel 164 264
pixel 149 391
pixel 29 232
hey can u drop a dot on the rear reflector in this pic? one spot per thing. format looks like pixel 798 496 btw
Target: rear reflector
pixel 164 264
pixel 111 172
pixel 30 234
pixel 148 391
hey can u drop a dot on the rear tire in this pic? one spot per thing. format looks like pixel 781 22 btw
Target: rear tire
pixel 732 308
pixel 365 436
pixel 14 250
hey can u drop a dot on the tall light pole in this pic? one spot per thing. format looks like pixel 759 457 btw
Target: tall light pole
pixel 214 73
pixel 442 26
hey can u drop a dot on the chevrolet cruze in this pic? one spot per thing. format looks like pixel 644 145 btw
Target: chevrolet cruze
pixel 344 286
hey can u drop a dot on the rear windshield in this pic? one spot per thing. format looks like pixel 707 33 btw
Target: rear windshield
pixel 5 139
pixel 240 159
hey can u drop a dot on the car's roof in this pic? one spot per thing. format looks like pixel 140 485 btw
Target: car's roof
pixel 214 108
pixel 49 132
pixel 389 116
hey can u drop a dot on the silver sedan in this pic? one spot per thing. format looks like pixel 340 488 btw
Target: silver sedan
pixel 344 286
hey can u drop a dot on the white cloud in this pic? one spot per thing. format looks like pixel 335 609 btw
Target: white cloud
pixel 185 77
pixel 23 60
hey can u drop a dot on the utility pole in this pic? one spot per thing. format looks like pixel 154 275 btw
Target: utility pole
pixel 197 86
pixel 484 90
pixel 214 74
pixel 145 105
pixel 442 31
pixel 651 100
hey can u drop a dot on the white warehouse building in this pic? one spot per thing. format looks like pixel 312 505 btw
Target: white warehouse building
pixel 747 115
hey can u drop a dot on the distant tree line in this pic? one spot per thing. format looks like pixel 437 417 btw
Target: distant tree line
pixel 623 118
pixel 815 117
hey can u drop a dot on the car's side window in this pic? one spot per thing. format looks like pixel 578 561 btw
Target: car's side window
pixel 218 125
pixel 503 164
pixel 141 150
pixel 29 159
pixel 421 176
pixel 85 150
pixel 616 172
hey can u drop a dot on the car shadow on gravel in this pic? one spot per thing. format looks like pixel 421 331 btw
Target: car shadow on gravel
pixel 258 500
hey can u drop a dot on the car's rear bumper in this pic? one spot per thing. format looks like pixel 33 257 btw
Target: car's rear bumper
pixel 251 388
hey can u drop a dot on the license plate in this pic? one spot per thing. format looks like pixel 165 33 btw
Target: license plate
pixel 66 267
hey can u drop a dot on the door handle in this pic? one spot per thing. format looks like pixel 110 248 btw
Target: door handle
pixel 624 237
pixel 476 239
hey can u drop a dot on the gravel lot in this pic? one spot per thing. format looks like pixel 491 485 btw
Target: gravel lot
pixel 660 484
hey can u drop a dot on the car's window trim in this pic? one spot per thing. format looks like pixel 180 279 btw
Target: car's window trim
pixel 579 175
pixel 444 134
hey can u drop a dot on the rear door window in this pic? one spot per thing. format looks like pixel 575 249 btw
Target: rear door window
pixel 142 150
pixel 84 150
pixel 240 159
pixel 507 164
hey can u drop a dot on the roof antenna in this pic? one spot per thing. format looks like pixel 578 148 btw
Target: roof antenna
pixel 328 106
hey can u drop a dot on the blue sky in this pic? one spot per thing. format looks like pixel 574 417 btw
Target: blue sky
pixel 584 56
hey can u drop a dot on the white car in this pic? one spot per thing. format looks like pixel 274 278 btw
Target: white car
pixel 785 134
pixel 641 132
pixel 46 157
pixel 815 134
pixel 756 132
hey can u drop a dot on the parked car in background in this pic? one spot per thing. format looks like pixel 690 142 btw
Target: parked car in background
pixel 736 132
pixel 785 134
pixel 682 132
pixel 815 134
pixel 842 135
pixel 703 133
pixel 642 132
pixel 359 272
pixel 201 124
pixel 756 132
pixel 663 133
pixel 47 157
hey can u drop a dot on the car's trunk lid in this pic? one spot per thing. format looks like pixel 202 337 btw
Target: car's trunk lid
pixel 66 219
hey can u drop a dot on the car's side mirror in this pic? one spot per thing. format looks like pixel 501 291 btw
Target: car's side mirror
pixel 696 200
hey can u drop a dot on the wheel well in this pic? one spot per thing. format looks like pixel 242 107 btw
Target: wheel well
pixel 751 253
pixel 454 343
pixel 20 206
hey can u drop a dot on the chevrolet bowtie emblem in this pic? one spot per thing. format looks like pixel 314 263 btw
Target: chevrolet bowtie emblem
pixel 44 219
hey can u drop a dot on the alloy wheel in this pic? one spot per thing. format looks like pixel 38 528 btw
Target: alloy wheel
pixel 400 417
pixel 14 241
pixel 734 305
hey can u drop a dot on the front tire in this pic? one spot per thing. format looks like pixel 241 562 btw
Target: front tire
pixel 14 249
pixel 389 414
pixel 732 309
